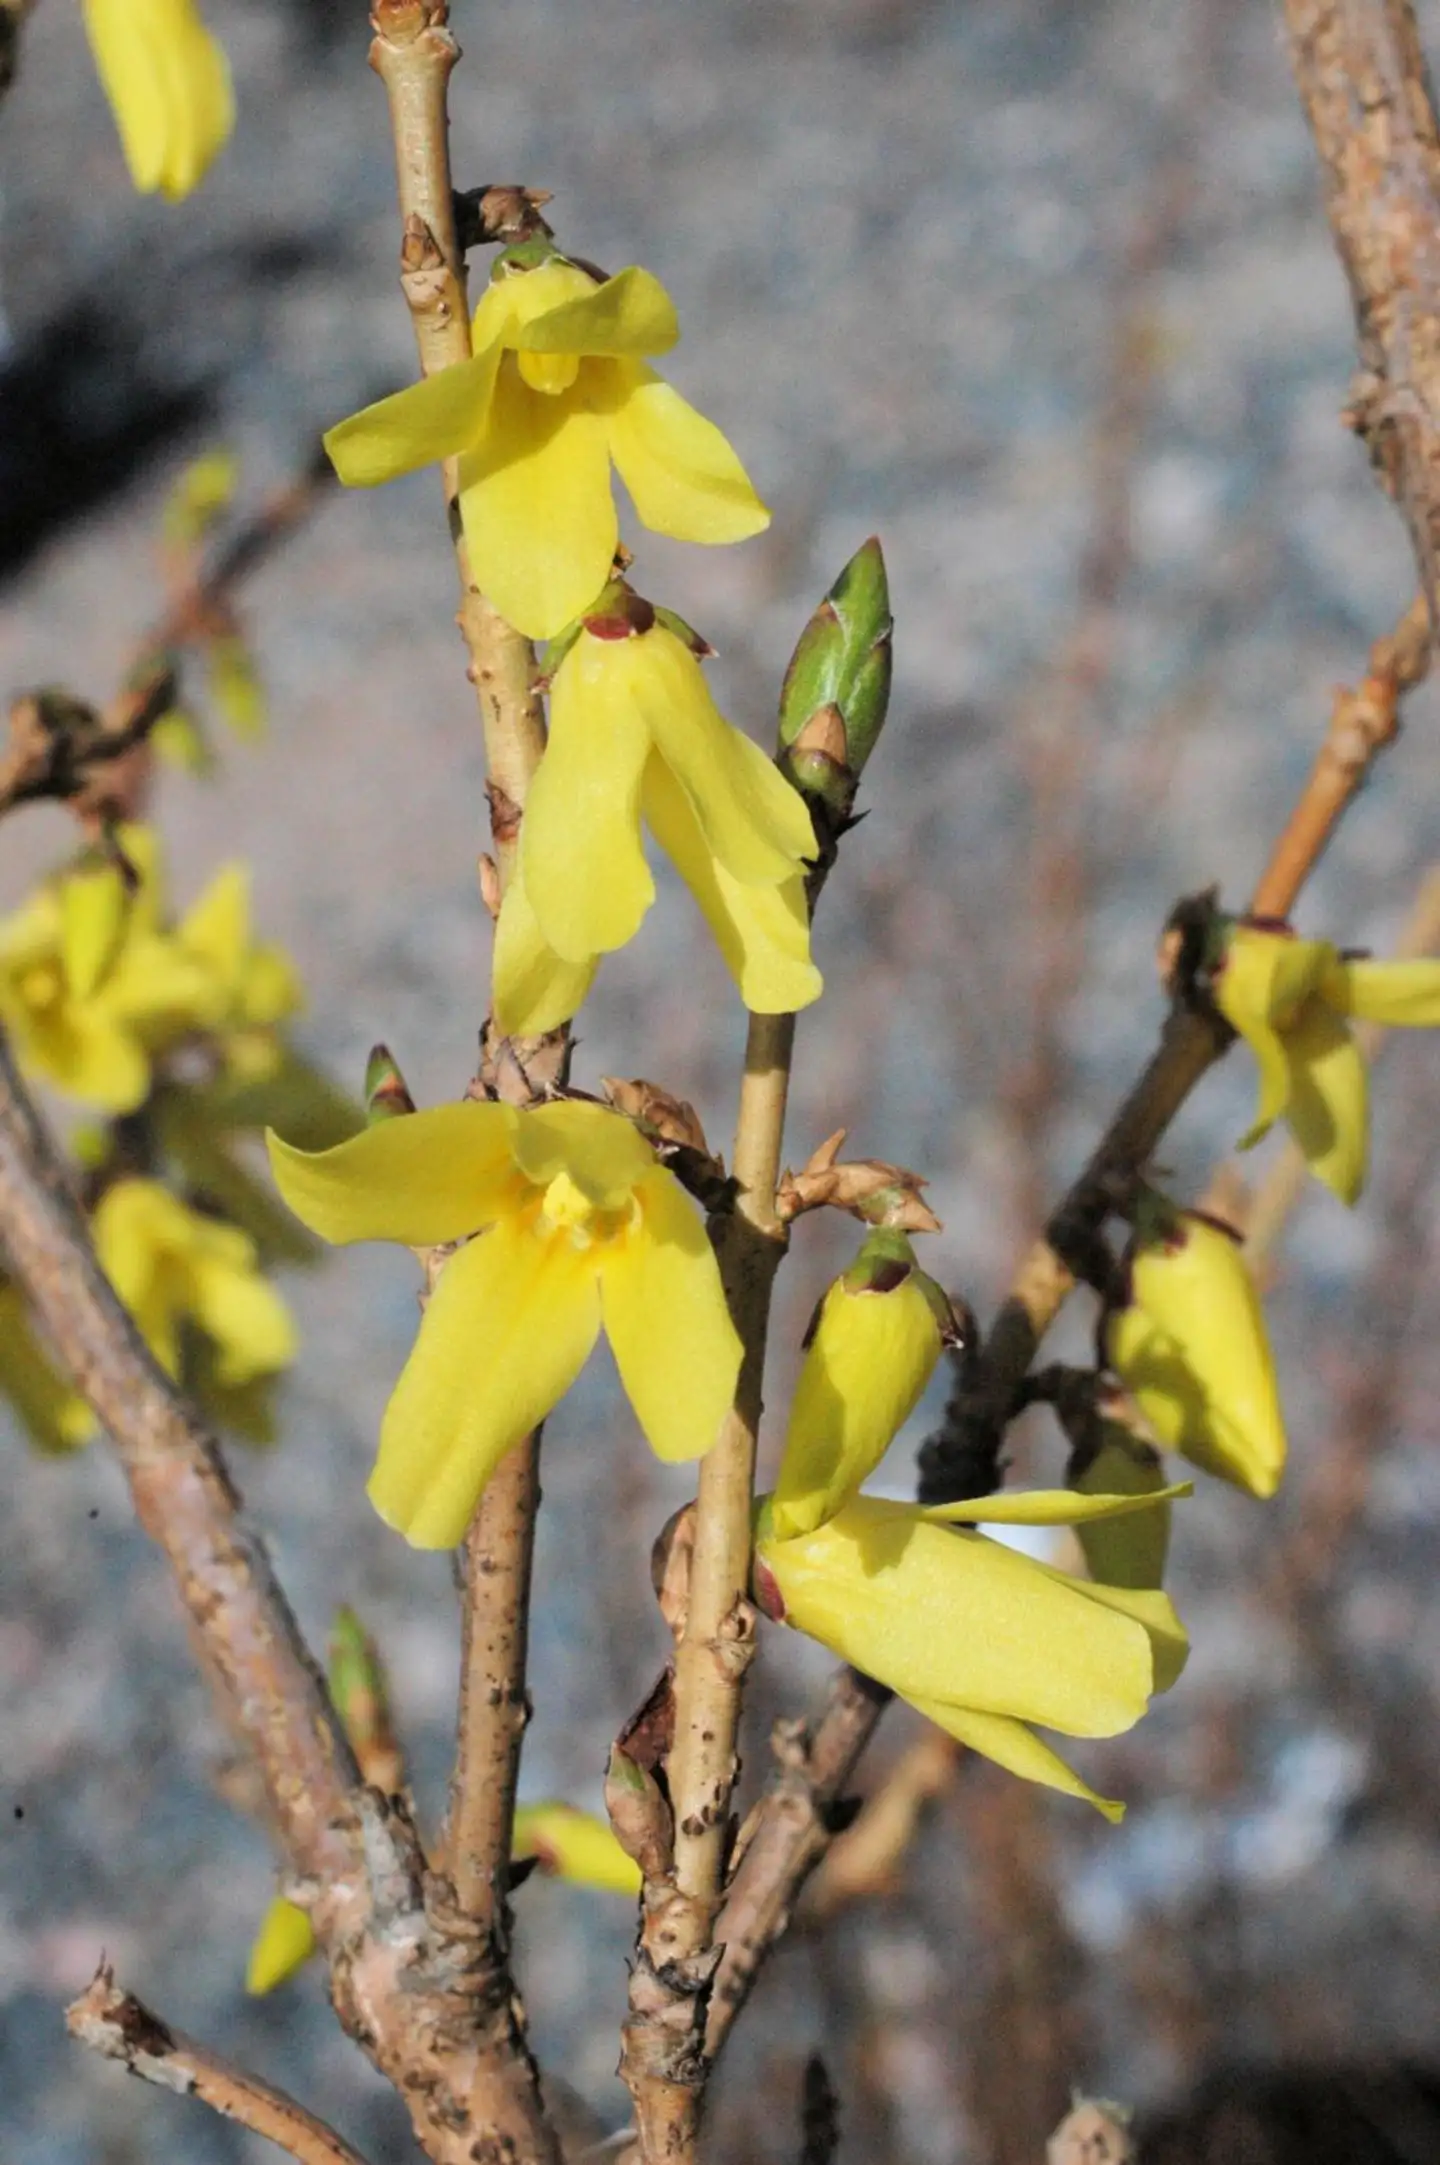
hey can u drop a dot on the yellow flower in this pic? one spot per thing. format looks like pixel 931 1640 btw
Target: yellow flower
pixel 168 83
pixel 89 988
pixel 871 1351
pixel 565 1842
pixel 555 391
pixel 579 1226
pixel 982 1640
pixel 1191 1349
pixel 634 733
pixel 1292 1001
pixel 255 984
pixel 56 1418
pixel 175 1268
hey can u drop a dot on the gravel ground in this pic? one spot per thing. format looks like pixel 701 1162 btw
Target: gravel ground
pixel 892 229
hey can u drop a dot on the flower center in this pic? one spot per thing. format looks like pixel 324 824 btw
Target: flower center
pixel 549 372
pixel 566 1208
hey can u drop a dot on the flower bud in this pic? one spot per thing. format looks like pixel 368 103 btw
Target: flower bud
pixel 872 1348
pixel 576 1845
pixel 283 1945
pixel 386 1095
pixel 837 687
pixel 361 1695
pixel 1191 1349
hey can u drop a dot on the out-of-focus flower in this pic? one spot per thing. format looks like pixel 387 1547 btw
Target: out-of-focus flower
pixel 980 1639
pixel 176 1269
pixel 635 734
pixel 872 1348
pixel 1190 1346
pixel 256 985
pixel 168 83
pixel 89 987
pixel 556 389
pixel 1293 1000
pixel 578 1227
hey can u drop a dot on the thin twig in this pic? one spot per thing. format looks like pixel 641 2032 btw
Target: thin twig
pixel 413 53
pixel 1361 72
pixel 663 2050
pixel 115 2024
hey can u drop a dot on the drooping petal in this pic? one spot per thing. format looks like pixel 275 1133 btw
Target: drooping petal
pixel 755 823
pixel 665 1317
pixel 1260 987
pixel 424 1178
pixel 949 1616
pixel 535 498
pixel 599 1149
pixel 533 989
pixel 168 83
pixel 434 419
pixel 1012 1746
pixel 93 914
pixel 1328 1110
pixel 507 1331
pixel 630 313
pixel 683 477
pixel 216 927
pixel 763 933
pixel 1406 994
pixel 585 871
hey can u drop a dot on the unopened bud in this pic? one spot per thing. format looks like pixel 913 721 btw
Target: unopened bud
pixel 386 1095
pixel 837 688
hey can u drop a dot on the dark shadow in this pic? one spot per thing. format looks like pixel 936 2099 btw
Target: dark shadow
pixel 1298 2116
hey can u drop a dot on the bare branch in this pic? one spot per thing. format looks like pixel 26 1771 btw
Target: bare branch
pixel 114 2023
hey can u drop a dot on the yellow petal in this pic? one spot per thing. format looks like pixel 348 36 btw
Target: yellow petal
pixel 683 477
pixel 1262 984
pixel 667 1323
pixel 57 1420
pixel 602 1152
pixel 533 989
pixel 630 313
pixel 755 823
pixel 94 907
pixel 428 1177
pixel 92 1057
pixel 253 1330
pixel 1052 1506
pixel 1191 1349
pixel 1328 1110
pixel 871 1355
pixel 574 1845
pixel 763 933
pixel 1132 1551
pixel 283 1944
pixel 1404 995
pixel 168 83
pixel 535 498
pixel 1012 1746
pixel 516 297
pixel 216 927
pixel 585 871
pixel 951 1617
pixel 507 1331
pixel 431 420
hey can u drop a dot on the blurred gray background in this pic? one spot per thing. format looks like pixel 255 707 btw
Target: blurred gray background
pixel 1041 291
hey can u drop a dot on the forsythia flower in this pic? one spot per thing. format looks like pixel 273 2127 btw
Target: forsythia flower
pixel 555 390
pixel 88 986
pixel 872 1348
pixel 565 1842
pixel 255 985
pixel 168 83
pixel 981 1640
pixel 579 1227
pixel 173 1267
pixel 1292 1000
pixel 634 733
pixel 56 1419
pixel 1191 1349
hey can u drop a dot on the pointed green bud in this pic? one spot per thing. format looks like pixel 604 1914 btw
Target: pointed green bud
pixel 283 1945
pixel 872 1348
pixel 837 687
pixel 386 1095
pixel 361 1695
